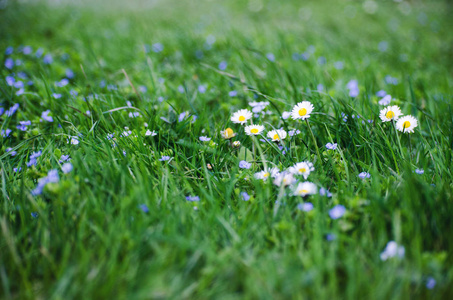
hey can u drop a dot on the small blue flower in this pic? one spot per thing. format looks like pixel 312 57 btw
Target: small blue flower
pixel 419 171
pixel 331 146
pixel 12 153
pixel 270 56
pixel 306 207
pixel 202 89
pixel 144 208
pixel 245 196
pixel 204 138
pixel 12 110
pixel 244 165
pixel 39 52
pixel 56 96
pixel 165 158
pixel 48 59
pixel 66 168
pixel 62 83
pixel 5 132
pixel 9 50
pixel 331 237
pixel 325 192
pixel 223 65
pixel 34 215
pixel 10 80
pixel 9 63
pixel 157 47
pixel 64 158
pixel 337 212
pixel 193 198
pixel 364 175
pixel 381 93
pixel 69 73
pixel 232 93
pixel 430 283
pixel 45 116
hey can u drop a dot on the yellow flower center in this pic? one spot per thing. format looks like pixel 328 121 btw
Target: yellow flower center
pixel 302 112
pixel 275 137
pixel 302 170
pixel 254 130
pixel 304 191
pixel 241 118
pixel 266 174
pixel 390 114
pixel 406 124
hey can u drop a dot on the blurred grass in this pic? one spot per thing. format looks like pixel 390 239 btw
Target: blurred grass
pixel 92 241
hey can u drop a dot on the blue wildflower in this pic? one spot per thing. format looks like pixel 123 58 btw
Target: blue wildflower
pixel 39 52
pixel 12 110
pixel 9 63
pixel 165 158
pixel 48 59
pixel 34 215
pixel 144 208
pixel 307 206
pixel 10 80
pixel 193 198
pixel 244 165
pixel 10 151
pixel 223 65
pixel 64 158
pixel 364 175
pixel 245 196
pixel 5 132
pixel 204 138
pixel 202 89
pixel 66 168
pixel 430 283
pixel 270 56
pixel 232 93
pixel 331 146
pixel 9 50
pixel 45 116
pixel 419 171
pixel 157 47
pixel 325 192
pixel 69 73
pixel 337 212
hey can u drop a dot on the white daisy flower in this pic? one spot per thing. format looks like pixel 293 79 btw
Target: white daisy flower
pixel 266 173
pixel 407 124
pixel 284 179
pixel 241 116
pixel 390 113
pixel 303 168
pixel 277 135
pixel 254 129
pixel 302 110
pixel 227 133
pixel 305 188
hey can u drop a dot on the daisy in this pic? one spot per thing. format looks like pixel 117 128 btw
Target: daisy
pixel 390 113
pixel 254 129
pixel 241 116
pixel 407 124
pixel 266 173
pixel 277 135
pixel 227 133
pixel 305 188
pixel 284 179
pixel 302 110
pixel 303 168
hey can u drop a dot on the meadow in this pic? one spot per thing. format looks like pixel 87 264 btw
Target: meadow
pixel 131 166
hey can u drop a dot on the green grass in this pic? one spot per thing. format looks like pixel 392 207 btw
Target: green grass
pixel 91 239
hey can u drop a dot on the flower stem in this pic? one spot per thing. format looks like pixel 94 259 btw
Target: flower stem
pixel 314 140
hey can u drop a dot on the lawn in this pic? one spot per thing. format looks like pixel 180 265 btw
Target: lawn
pixel 131 169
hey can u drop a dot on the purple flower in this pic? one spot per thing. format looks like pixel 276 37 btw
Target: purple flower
pixel 244 165
pixel 270 56
pixel 430 283
pixel 64 158
pixel 144 208
pixel 18 84
pixel 232 93
pixel 9 50
pixel 293 132
pixel 223 65
pixel 62 83
pixel 17 170
pixel 66 168
pixel 56 96
pixel 325 192
pixel 305 206
pixel 204 138
pixel 69 73
pixel 9 63
pixel 245 196
pixel 39 52
pixel 12 153
pixel 331 237
pixel 193 198
pixel 337 211
pixel 322 60
pixel 5 132
pixel 385 100
pixel 47 59
pixel 331 146
pixel 10 80
pixel 364 175
pixel 381 93
pixel 12 110
pixel 202 89
pixel 34 215
pixel 353 87
pixel 164 158
pixel 52 176
pixel 45 116
pixel 157 47
pixel 419 171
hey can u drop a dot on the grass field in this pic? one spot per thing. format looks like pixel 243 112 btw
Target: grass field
pixel 119 179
